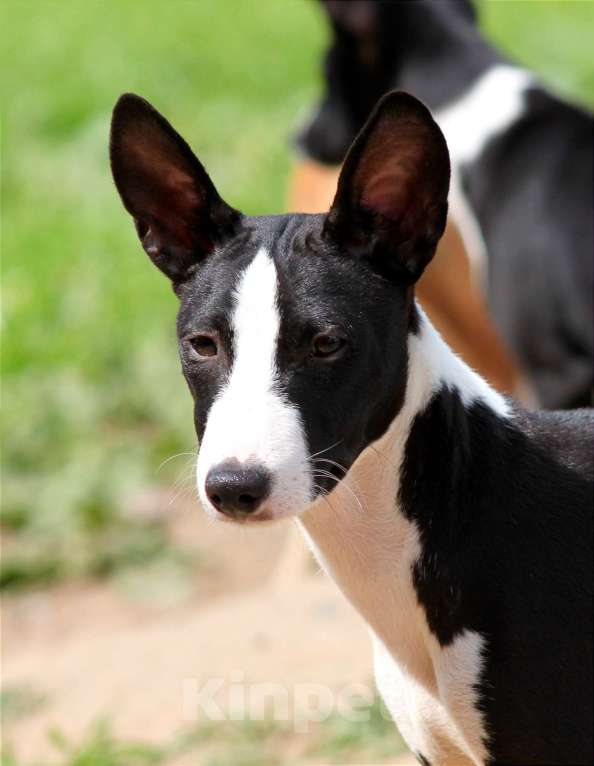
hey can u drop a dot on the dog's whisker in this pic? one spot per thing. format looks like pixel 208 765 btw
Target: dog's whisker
pixel 185 474
pixel 324 495
pixel 331 462
pixel 320 472
pixel 338 465
pixel 174 457
pixel 183 484
pixel 321 452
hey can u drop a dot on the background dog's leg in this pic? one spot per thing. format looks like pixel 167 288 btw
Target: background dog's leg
pixel 311 187
pixel 457 307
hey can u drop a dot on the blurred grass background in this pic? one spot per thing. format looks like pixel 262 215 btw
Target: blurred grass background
pixel 246 743
pixel 93 398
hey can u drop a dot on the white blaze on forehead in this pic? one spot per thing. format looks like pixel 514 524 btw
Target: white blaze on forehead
pixel 251 420
pixel 256 325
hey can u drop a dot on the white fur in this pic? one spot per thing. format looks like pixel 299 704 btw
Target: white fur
pixel 458 666
pixel 438 365
pixel 490 106
pixel 250 421
pixel 427 724
pixel 369 548
pixel 494 102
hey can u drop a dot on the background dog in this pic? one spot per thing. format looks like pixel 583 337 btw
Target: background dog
pixel 521 193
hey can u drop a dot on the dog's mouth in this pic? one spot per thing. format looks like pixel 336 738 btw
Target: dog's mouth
pixel 248 519
pixel 267 514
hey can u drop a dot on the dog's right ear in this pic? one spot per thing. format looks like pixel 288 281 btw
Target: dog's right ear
pixel 392 197
pixel 177 211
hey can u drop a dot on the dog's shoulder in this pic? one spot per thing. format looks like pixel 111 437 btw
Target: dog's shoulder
pixel 567 436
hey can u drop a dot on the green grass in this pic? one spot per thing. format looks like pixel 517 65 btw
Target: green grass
pixel 93 397
pixel 552 37
pixel 19 701
pixel 246 743
pixel 94 400
pixel 374 739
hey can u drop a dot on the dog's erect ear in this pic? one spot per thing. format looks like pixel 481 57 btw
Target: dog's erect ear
pixel 178 213
pixel 391 201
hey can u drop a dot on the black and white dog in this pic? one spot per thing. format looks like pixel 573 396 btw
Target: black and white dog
pixel 457 524
pixel 522 162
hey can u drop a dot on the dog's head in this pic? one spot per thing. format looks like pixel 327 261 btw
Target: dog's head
pixel 377 46
pixel 292 329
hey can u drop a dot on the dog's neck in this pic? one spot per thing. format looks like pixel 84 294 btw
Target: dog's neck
pixel 359 534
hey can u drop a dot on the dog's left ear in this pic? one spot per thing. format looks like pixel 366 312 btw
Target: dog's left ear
pixel 178 213
pixel 391 201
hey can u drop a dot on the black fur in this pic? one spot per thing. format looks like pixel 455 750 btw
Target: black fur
pixel 504 510
pixel 531 189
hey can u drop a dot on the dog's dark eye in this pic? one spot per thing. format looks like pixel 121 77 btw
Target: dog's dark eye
pixel 325 345
pixel 203 345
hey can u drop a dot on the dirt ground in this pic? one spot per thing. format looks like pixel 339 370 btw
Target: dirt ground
pixel 261 613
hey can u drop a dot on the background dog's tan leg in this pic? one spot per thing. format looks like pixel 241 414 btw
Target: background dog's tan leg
pixel 311 187
pixel 457 307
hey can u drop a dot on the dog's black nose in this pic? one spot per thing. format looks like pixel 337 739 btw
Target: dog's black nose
pixel 237 490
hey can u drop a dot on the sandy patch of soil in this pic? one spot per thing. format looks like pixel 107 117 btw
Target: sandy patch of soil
pixel 260 613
